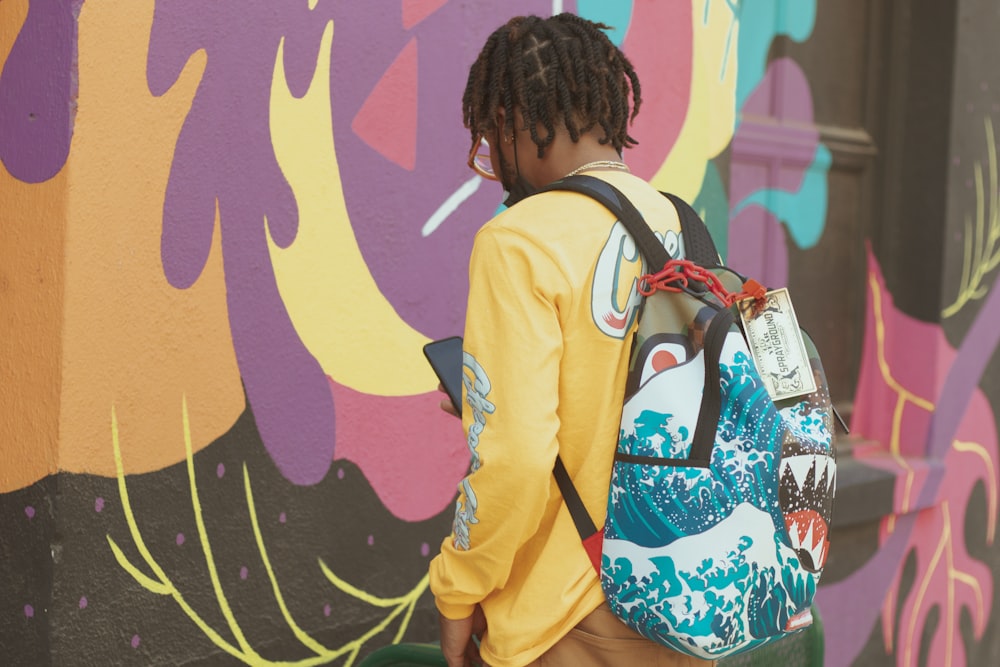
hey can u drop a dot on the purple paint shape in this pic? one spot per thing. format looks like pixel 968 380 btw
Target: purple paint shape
pixel 282 518
pixel 425 549
pixel 371 540
pixel 974 354
pixel 38 88
pixel 220 470
pixel 326 610
pixel 340 473
pixel 98 504
pixel 180 539
pixel 135 641
pixel 862 595
pixel 83 602
pixel 389 204
pixel 244 573
pixel 757 246
pixel 224 155
pixel 29 611
pixel 788 149
pixel 29 511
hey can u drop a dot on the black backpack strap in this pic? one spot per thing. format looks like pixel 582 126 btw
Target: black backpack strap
pixel 581 517
pixel 698 247
pixel 698 244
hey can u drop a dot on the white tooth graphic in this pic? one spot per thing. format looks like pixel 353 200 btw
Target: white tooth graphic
pixel 800 466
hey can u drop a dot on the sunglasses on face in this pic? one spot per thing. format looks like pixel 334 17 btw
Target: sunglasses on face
pixel 479 159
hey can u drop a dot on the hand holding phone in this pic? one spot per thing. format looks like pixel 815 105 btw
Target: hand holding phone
pixel 445 357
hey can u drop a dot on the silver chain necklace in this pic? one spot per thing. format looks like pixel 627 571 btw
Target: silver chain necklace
pixel 599 164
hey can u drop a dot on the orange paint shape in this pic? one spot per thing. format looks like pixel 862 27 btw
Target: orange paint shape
pixel 415 11
pixel 12 16
pixel 32 237
pixel 32 261
pixel 387 121
pixel 130 340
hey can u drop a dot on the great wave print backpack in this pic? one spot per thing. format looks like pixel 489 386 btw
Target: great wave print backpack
pixel 720 497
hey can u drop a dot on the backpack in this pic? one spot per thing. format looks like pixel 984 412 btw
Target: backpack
pixel 720 498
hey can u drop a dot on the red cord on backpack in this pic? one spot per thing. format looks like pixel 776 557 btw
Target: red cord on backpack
pixel 677 273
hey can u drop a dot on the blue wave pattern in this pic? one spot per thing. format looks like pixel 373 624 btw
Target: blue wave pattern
pixel 679 564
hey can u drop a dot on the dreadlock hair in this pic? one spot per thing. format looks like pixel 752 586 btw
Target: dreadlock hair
pixel 558 70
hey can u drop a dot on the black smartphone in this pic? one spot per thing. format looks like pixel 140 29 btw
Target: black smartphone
pixel 445 357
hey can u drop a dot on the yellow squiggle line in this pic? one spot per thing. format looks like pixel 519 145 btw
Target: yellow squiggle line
pixel 980 255
pixel 162 585
pixel 980 451
pixel 407 601
pixel 880 337
pixel 144 581
pixel 140 544
pixel 903 395
pixel 213 573
pixel 299 633
pixel 977 590
pixel 925 582
pixel 364 596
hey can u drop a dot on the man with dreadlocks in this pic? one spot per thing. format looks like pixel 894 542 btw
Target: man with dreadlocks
pixel 551 308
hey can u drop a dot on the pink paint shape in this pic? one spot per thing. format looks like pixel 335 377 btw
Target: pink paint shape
pixel 420 454
pixel 415 11
pixel 918 357
pixel 83 602
pixel 135 641
pixel 387 121
pixel 659 39
pixel 29 511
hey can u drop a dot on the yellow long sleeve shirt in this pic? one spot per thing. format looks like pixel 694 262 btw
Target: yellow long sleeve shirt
pixel 551 311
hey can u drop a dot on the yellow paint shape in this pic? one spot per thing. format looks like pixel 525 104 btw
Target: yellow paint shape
pixel 131 339
pixel 711 113
pixel 333 301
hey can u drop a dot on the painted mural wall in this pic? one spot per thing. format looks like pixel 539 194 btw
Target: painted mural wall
pixel 228 229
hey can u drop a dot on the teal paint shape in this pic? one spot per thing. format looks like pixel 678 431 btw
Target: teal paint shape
pixel 760 22
pixel 803 212
pixel 712 205
pixel 617 14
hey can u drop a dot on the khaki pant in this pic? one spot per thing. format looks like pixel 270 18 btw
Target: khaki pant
pixel 601 640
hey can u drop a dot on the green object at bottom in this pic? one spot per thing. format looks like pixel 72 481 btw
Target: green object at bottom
pixel 406 655
pixel 803 649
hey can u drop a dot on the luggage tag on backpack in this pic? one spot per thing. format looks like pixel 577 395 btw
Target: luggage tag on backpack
pixel 776 345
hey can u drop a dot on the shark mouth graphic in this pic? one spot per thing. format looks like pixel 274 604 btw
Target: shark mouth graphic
pixel 806 496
